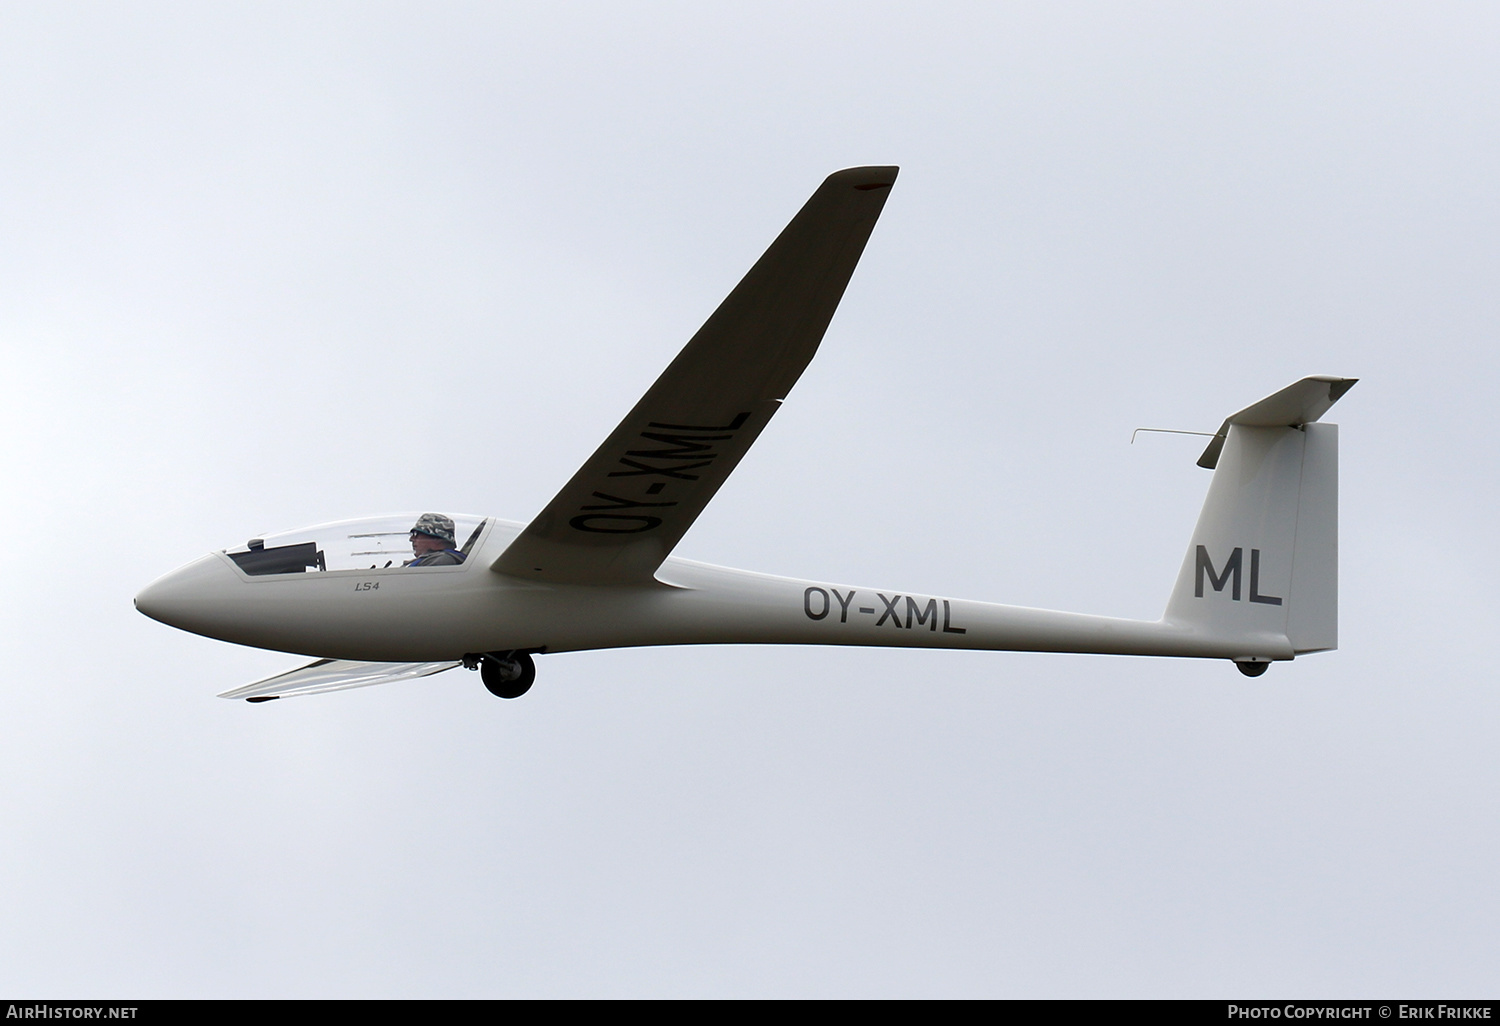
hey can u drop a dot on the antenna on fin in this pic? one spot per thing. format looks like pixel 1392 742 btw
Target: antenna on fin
pixel 1168 431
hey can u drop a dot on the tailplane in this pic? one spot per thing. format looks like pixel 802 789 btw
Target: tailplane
pixel 1263 559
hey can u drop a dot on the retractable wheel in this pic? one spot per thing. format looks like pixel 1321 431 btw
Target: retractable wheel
pixel 507 674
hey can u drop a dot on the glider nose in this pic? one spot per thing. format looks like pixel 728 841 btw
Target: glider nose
pixel 181 598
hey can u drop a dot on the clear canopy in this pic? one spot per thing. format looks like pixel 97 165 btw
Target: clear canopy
pixel 369 543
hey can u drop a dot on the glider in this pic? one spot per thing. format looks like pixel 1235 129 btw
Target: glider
pixel 594 569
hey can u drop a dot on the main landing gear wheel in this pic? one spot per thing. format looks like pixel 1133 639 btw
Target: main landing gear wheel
pixel 1250 668
pixel 507 674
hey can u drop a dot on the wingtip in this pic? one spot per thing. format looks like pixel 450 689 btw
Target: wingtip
pixel 865 178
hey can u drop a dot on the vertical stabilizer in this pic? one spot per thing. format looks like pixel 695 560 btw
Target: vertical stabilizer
pixel 1263 559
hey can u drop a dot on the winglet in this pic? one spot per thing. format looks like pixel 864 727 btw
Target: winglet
pixel 1297 404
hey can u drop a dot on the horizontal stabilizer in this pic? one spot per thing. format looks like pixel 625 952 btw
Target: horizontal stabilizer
pixel 334 675
pixel 1295 405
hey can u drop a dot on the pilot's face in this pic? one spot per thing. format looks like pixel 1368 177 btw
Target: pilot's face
pixel 421 544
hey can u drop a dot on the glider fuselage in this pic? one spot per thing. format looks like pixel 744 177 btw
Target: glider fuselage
pixel 426 614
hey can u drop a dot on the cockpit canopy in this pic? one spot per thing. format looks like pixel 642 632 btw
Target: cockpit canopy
pixel 368 543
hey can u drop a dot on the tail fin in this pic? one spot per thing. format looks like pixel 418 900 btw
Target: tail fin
pixel 1264 556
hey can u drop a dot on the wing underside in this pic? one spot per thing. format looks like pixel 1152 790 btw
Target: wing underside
pixel 627 507
pixel 334 675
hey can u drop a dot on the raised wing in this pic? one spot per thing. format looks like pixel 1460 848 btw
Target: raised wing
pixel 333 675
pixel 626 508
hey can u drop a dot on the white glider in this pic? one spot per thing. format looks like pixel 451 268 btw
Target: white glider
pixel 594 569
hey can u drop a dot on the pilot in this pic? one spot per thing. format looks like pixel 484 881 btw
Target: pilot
pixel 432 542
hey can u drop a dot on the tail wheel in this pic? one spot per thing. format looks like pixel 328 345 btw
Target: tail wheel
pixel 507 674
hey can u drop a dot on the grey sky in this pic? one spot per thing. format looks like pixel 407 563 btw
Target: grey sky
pixel 274 265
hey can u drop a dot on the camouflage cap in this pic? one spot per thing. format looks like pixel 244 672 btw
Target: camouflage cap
pixel 436 525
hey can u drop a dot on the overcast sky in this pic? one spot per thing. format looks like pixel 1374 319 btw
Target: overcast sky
pixel 272 265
